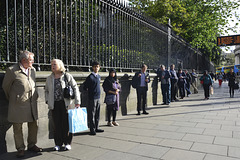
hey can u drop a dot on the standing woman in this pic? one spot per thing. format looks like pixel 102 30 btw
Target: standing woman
pixel 231 82
pixel 54 87
pixel 181 83
pixel 207 82
pixel 112 87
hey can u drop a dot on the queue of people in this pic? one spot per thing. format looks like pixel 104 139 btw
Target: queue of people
pixel 19 85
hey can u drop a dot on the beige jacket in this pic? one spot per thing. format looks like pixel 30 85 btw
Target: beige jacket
pixel 49 90
pixel 20 90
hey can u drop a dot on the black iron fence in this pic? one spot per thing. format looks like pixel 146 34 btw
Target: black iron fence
pixel 80 31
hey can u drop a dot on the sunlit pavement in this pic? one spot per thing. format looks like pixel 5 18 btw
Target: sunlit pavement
pixel 191 129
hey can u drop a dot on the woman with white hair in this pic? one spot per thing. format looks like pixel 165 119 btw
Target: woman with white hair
pixel 58 105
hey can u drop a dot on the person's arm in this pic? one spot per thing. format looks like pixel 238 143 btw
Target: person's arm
pixel 7 82
pixel 46 91
pixel 75 88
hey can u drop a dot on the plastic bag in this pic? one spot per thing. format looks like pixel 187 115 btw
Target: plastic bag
pixel 77 119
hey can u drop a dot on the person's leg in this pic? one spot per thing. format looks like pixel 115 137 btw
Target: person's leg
pixel 144 94
pixel 114 114
pixel 172 91
pixel 109 112
pixel 164 95
pixel 18 136
pixel 205 90
pixel 232 91
pixel 57 120
pixel 208 90
pixel 32 134
pixel 168 93
pixel 91 114
pixel 97 113
pixel 138 100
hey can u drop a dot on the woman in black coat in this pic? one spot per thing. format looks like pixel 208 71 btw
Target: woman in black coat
pixel 112 87
pixel 181 83
pixel 231 82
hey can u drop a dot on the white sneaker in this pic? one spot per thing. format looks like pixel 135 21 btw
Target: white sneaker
pixel 56 148
pixel 110 124
pixel 67 147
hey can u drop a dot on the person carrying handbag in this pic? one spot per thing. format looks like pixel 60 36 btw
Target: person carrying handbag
pixel 58 103
pixel 111 88
pixel 231 82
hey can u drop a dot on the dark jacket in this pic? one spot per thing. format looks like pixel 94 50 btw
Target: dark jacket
pixel 166 76
pixel 207 79
pixel 181 81
pixel 92 85
pixel 231 79
pixel 188 78
pixel 173 77
pixel 137 79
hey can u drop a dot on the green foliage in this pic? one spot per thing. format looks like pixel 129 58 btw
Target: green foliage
pixel 197 21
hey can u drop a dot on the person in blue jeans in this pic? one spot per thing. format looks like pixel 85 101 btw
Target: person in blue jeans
pixel 164 76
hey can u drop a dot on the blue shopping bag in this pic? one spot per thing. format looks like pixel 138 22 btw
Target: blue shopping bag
pixel 77 120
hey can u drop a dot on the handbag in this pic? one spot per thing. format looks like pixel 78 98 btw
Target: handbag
pixel 201 81
pixel 236 86
pixel 77 119
pixel 68 91
pixel 110 99
pixel 211 90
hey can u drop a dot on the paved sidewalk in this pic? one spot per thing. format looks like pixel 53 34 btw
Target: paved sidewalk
pixel 191 129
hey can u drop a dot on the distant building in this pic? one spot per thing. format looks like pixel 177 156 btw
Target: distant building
pixel 237 54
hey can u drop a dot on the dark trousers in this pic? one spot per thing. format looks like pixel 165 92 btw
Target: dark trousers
pixel 166 92
pixel 206 90
pixel 174 89
pixel 188 88
pixel 181 88
pixel 61 125
pixel 141 96
pixel 111 111
pixel 231 91
pixel 93 111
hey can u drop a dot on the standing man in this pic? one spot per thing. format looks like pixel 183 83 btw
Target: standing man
pixel 19 86
pixel 92 85
pixel 141 80
pixel 194 81
pixel 174 80
pixel 188 82
pixel 164 76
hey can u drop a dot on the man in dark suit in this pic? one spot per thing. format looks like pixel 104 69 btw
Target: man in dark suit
pixel 141 80
pixel 164 76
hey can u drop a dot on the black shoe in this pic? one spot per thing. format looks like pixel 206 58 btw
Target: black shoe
pixel 145 112
pixel 163 104
pixel 138 114
pixel 99 130
pixel 172 101
pixel 176 100
pixel 92 133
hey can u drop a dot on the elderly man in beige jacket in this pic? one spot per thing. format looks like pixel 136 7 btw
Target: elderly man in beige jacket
pixel 20 89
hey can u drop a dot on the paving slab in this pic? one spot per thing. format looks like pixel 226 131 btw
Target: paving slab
pixel 177 154
pixel 210 148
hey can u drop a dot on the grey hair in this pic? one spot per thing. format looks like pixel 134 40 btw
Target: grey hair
pixel 24 54
pixel 162 66
pixel 60 64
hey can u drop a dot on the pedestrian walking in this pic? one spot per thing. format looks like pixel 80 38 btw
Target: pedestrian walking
pixel 140 82
pixel 19 85
pixel 92 85
pixel 181 83
pixel 174 87
pixel 207 82
pixel 194 81
pixel 188 82
pixel 231 76
pixel 112 88
pixel 164 77
pixel 58 105
pixel 220 79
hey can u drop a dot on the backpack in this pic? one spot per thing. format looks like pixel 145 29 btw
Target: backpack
pixel 135 81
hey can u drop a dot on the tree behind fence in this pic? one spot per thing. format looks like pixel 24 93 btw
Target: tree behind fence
pixel 81 31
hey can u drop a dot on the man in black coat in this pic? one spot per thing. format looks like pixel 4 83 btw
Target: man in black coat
pixel 140 82
pixel 164 77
